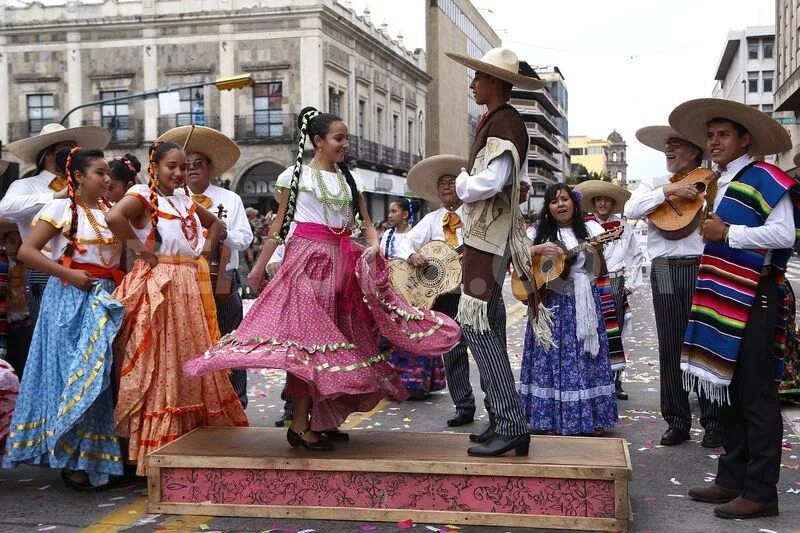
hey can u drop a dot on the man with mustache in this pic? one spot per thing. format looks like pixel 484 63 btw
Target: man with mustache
pixel 209 154
pixel 672 278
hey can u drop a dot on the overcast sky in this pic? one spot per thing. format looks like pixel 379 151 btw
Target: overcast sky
pixel 628 63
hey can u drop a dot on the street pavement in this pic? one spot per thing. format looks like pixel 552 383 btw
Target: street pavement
pixel 34 499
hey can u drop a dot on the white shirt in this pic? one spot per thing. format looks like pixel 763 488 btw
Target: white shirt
pixel 776 233
pixel 309 196
pixel 644 200
pixel 240 235
pixel 173 240
pixel 24 199
pixel 491 181
pixel 58 214
pixel 624 252
pixel 567 237
pixel 392 252
pixel 430 228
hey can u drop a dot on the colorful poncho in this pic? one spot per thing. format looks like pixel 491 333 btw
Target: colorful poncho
pixel 613 328
pixel 727 283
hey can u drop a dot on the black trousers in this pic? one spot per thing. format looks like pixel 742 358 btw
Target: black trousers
pixel 672 281
pixel 751 425
pixel 229 316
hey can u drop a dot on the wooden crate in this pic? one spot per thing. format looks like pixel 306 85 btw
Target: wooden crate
pixel 566 482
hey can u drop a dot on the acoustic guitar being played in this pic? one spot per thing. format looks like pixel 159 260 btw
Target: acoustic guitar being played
pixel 678 217
pixel 549 272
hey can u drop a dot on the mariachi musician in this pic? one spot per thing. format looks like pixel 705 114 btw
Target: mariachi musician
pixel 209 154
pixel 672 278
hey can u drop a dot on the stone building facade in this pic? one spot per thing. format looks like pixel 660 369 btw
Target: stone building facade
pixel 300 52
pixel 617 159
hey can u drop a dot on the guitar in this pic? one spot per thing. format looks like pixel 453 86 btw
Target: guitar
pixel 420 286
pixel 221 279
pixel 550 272
pixel 677 218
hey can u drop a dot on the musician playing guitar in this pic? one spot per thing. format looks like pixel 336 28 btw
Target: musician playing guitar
pixel 672 277
pixel 433 179
pixel 209 154
pixel 566 384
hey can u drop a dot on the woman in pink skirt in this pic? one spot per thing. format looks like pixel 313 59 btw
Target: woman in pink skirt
pixel 321 317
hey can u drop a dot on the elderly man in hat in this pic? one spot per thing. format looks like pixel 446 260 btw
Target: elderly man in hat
pixel 494 230
pixel 734 342
pixel 27 196
pixel 624 260
pixel 672 277
pixel 209 154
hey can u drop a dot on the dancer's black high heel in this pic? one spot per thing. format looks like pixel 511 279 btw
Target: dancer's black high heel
pixel 296 441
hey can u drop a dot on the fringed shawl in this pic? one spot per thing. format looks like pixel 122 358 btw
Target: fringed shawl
pixel 727 283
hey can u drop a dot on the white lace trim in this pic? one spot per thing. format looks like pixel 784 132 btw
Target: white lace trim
pixel 569 395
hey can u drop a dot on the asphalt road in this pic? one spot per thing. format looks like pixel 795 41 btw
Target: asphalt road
pixel 34 499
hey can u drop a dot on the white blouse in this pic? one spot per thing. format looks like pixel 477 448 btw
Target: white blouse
pixel 393 250
pixel 309 196
pixel 58 214
pixel 173 240
pixel 567 237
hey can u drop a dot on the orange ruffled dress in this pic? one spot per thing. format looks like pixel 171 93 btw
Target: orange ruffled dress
pixel 170 316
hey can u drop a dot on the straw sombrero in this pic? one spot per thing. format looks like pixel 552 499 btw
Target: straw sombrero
pixel 215 145
pixel 591 189
pixel 501 63
pixel 423 176
pixel 767 136
pixel 89 137
pixel 656 137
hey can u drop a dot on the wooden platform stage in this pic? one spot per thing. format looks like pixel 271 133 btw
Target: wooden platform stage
pixel 566 482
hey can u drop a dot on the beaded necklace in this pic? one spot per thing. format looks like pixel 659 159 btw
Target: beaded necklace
pixel 329 202
pixel 188 224
pixel 96 226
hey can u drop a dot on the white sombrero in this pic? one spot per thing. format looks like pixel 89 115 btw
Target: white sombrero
pixel 656 137
pixel 591 189
pixel 767 136
pixel 423 177
pixel 89 137
pixel 501 63
pixel 213 144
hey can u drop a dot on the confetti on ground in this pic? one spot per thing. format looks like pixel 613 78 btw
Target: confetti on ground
pixel 48 528
pixel 368 529
pixel 675 481
pixel 406 524
pixel 101 505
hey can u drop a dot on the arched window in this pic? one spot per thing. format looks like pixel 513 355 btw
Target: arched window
pixel 614 157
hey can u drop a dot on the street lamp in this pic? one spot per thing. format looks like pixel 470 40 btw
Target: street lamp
pixel 222 84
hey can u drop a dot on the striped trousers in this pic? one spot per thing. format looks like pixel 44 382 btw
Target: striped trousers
pixel 497 380
pixel 229 316
pixel 673 280
pixel 35 282
pixel 617 289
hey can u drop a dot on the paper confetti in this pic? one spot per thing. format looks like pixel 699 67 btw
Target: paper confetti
pixel 406 524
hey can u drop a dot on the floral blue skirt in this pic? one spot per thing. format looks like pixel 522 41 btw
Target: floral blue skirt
pixel 565 390
pixel 417 372
pixel 64 416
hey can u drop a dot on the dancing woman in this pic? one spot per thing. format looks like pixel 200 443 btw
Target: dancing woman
pixel 312 319
pixel 566 385
pixel 64 416
pixel 170 313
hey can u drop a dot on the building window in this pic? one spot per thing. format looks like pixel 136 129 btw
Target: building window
pixel 362 107
pixel 409 136
pixel 576 151
pixel 767 46
pixel 192 110
pixel 379 125
pixel 40 111
pixel 268 109
pixel 767 108
pixel 395 131
pixel 614 157
pixel 115 115
pixel 752 50
pixel 766 78
pixel 619 175
pixel 334 102
pixel 752 82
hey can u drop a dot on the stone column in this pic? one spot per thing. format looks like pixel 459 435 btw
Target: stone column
pixel 227 64
pixel 74 80
pixel 5 88
pixel 150 78
pixel 311 72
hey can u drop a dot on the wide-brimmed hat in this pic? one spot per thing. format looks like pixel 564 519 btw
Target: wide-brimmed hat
pixel 88 137
pixel 3 165
pixel 591 189
pixel 767 136
pixel 656 137
pixel 423 177
pixel 213 144
pixel 501 63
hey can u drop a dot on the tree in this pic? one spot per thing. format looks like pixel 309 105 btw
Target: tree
pixel 579 174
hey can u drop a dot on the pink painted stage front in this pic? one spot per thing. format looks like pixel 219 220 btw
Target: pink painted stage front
pixel 565 482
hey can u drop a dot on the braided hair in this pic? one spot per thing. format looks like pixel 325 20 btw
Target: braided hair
pixel 124 168
pixel 312 123
pixel 407 205
pixel 157 151
pixel 74 160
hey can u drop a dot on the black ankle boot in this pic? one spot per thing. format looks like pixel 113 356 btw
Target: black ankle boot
pixel 500 444
pixel 296 440
pixel 484 436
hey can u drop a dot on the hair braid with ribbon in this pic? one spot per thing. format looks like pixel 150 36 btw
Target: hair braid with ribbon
pixel 153 185
pixel 72 245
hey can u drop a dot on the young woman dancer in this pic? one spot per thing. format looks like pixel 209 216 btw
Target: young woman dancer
pixel 567 387
pixel 64 416
pixel 170 313
pixel 311 319
pixel 123 169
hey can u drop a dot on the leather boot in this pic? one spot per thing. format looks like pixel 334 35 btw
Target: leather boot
pixel 713 494
pixel 484 436
pixel 500 444
pixel 742 508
